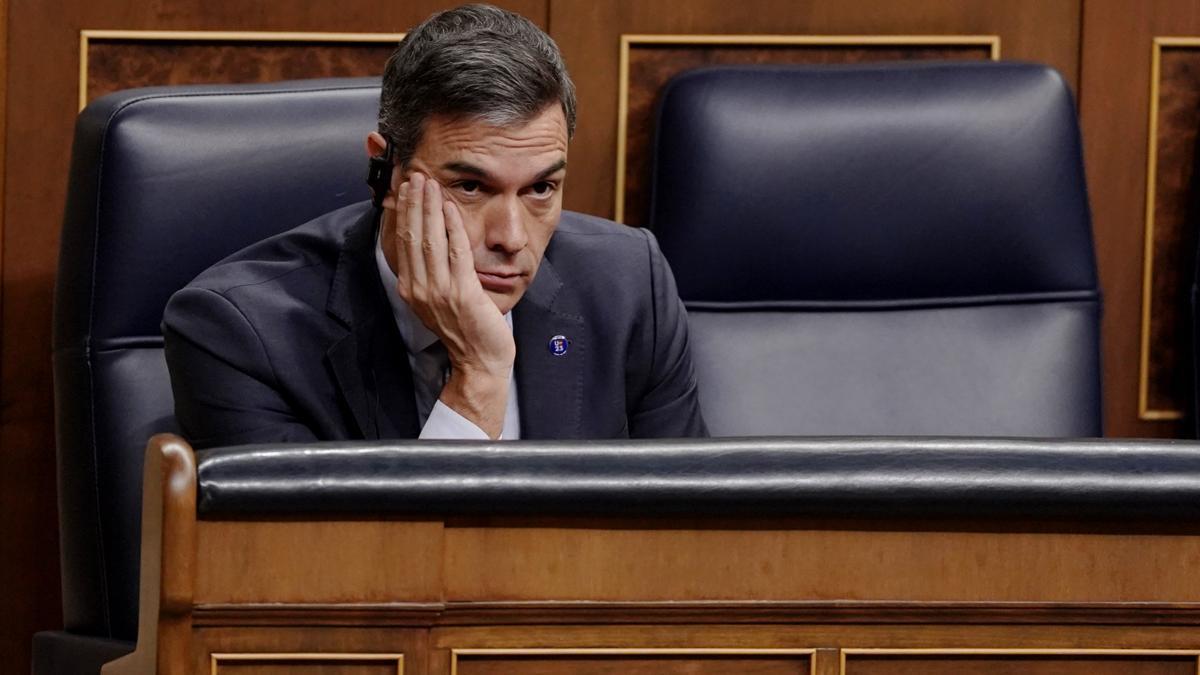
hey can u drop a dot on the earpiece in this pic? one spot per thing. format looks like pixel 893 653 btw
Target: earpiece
pixel 379 175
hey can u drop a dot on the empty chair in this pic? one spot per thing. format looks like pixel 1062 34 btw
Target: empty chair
pixel 882 249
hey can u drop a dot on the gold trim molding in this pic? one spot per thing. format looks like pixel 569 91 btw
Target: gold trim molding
pixel 630 40
pixel 1015 652
pixel 216 659
pixel 1145 413
pixel 633 651
pixel 87 35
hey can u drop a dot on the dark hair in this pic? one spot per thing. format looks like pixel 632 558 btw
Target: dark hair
pixel 475 61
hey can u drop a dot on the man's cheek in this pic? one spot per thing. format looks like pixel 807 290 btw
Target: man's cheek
pixel 474 228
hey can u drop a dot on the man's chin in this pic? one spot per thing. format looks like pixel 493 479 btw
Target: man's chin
pixel 504 301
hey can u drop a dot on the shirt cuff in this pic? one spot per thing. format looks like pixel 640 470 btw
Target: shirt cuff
pixel 444 423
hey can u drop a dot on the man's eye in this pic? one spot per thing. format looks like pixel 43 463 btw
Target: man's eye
pixel 468 186
pixel 542 188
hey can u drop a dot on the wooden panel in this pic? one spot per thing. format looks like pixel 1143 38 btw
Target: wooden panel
pixel 23 511
pixel 652 64
pixel 589 35
pixel 326 650
pixel 314 665
pixel 560 612
pixel 1167 376
pixel 371 561
pixel 530 563
pixel 1041 664
pixel 895 636
pixel 115 64
pixel 1173 209
pixel 42 101
pixel 1115 113
pixel 616 663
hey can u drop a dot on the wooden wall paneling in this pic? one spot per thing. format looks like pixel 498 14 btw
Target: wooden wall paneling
pixel 1172 211
pixel 1115 112
pixel 826 661
pixel 861 636
pixel 299 663
pixel 325 650
pixel 241 562
pixel 18 512
pixel 115 60
pixel 42 99
pixel 1011 662
pixel 631 661
pixel 590 39
pixel 902 561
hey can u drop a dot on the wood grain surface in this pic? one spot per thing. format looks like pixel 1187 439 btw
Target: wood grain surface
pixel 619 564
pixel 1049 637
pixel 308 666
pixel 121 64
pixel 668 559
pixel 1176 211
pixel 178 565
pixel 1114 114
pixel 1020 665
pixel 331 643
pixel 326 561
pixel 634 664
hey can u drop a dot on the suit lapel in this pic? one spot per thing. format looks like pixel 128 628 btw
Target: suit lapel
pixel 549 387
pixel 369 362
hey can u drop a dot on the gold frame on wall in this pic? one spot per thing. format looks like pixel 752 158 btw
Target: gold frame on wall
pixel 1015 652
pixel 215 659
pixel 633 651
pixel 1144 411
pixel 629 40
pixel 87 35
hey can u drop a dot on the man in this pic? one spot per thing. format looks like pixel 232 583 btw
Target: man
pixel 466 305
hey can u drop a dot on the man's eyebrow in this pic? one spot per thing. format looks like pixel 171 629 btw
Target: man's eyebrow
pixel 472 170
pixel 468 169
pixel 552 169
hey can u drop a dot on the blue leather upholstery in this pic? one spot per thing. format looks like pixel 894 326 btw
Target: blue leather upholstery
pixel 165 182
pixel 882 249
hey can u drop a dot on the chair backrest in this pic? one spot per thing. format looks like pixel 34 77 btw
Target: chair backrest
pixel 165 182
pixel 882 249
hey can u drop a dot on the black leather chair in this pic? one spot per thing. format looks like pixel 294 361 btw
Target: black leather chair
pixel 164 182
pixel 882 249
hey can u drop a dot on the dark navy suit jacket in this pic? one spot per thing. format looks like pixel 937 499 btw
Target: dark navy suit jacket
pixel 293 339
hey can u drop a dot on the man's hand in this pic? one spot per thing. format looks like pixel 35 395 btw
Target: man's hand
pixel 436 277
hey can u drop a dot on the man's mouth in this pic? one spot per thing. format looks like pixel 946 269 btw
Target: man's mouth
pixel 498 281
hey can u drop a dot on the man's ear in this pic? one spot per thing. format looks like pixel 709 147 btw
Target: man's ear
pixel 376 145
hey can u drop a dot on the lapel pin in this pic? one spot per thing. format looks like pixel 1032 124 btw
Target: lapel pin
pixel 559 344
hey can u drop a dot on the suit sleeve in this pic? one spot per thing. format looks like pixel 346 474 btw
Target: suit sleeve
pixel 669 406
pixel 224 386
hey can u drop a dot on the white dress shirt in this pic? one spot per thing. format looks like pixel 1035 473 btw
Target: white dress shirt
pixel 443 421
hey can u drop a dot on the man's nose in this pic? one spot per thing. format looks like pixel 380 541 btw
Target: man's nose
pixel 505 226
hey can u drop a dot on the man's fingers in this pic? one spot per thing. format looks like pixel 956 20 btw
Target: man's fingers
pixel 433 245
pixel 462 262
pixel 397 211
pixel 411 232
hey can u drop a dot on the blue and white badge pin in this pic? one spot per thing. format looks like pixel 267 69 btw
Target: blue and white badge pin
pixel 559 344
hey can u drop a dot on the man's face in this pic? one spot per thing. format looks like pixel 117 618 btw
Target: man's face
pixel 507 182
